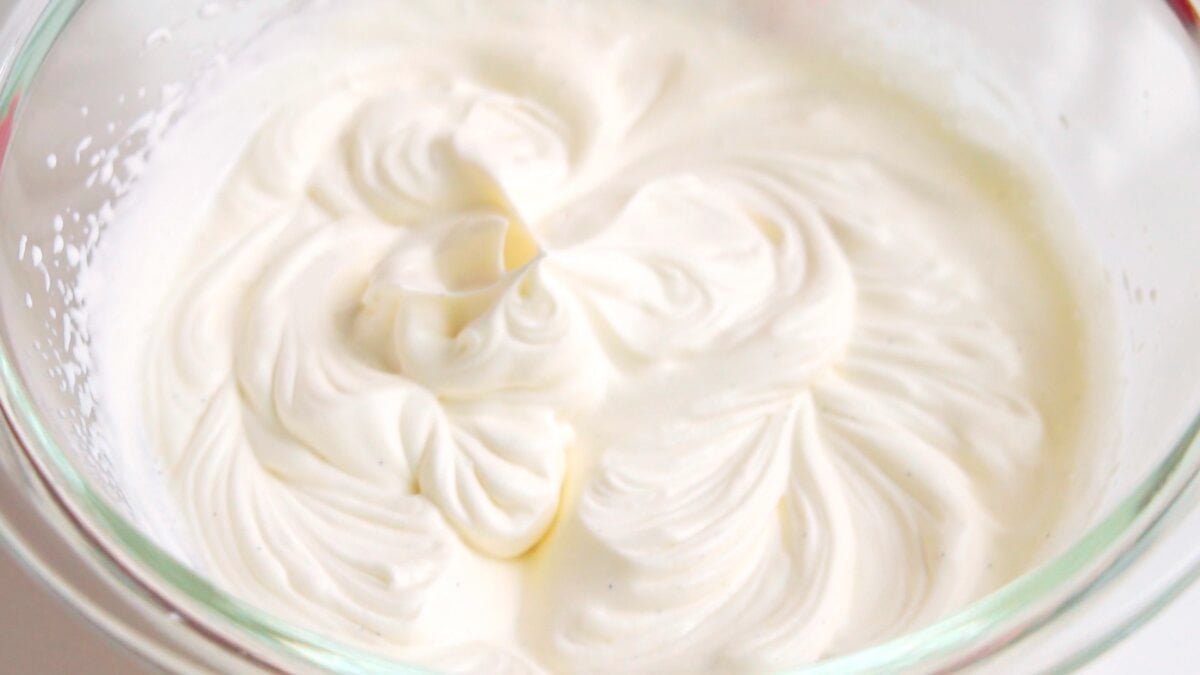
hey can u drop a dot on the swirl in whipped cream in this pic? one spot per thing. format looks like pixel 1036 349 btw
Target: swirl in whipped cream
pixel 598 340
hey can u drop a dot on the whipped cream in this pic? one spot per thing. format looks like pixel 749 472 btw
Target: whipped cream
pixel 549 337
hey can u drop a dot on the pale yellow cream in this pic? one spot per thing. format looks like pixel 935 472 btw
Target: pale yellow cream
pixel 556 337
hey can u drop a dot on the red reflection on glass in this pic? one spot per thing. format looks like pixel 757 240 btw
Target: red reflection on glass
pixel 6 126
pixel 1186 11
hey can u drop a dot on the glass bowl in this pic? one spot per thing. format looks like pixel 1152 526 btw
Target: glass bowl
pixel 1113 88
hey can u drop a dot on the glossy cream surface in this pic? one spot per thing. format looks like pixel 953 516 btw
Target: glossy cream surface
pixel 595 337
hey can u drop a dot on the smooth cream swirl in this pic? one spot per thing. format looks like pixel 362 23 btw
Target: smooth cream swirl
pixel 655 318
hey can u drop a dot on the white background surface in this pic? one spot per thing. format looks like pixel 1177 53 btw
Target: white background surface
pixel 40 635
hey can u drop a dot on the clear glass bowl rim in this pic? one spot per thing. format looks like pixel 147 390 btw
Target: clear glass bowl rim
pixel 155 581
